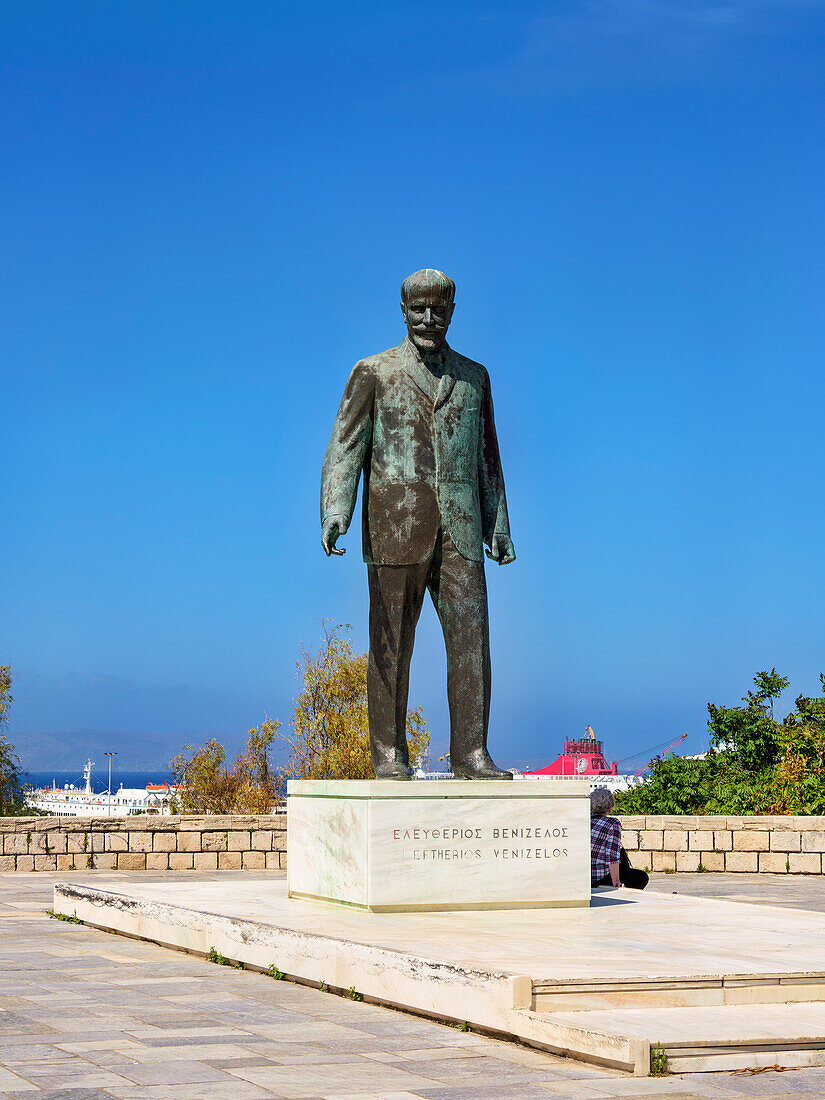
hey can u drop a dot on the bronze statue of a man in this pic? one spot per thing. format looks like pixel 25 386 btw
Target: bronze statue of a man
pixel 418 421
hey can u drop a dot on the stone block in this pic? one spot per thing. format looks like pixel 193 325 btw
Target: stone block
pixel 272 861
pixel 712 861
pixel 632 821
pixel 774 863
pixel 67 862
pixel 131 861
pixel 253 861
pixel 687 861
pixel 701 840
pixel 106 861
pixel 805 863
pixel 435 846
pixel 25 863
pixel 189 841
pixel 651 840
pixel 181 861
pixel 675 840
pixel 75 842
pixel 239 840
pixel 701 823
pixel 140 841
pixel 722 840
pixel 813 840
pixel 163 842
pixel 663 861
pixel 213 842
pixel 157 861
pixel 744 862
pixel 7 863
pixel 45 863
pixel 58 842
pixel 36 840
pixel 751 840
pixel 205 861
pixel 229 861
pixel 15 844
pixel 786 840
pixel 116 842
pixel 262 840
pixel 630 839
pixel 97 841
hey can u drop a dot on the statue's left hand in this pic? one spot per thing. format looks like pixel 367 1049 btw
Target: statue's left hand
pixel 501 550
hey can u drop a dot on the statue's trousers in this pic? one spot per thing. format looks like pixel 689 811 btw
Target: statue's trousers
pixel 459 592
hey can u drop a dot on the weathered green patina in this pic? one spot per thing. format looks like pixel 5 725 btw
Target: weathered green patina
pixel 417 421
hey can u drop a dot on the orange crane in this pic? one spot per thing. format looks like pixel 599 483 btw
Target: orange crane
pixel 672 745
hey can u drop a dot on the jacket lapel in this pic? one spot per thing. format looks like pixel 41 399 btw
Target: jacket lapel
pixel 445 386
pixel 415 368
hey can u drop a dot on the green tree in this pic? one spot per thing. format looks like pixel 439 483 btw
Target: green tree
pixel 750 734
pixel 801 772
pixel 329 732
pixel 208 786
pixel 12 788
pixel 756 765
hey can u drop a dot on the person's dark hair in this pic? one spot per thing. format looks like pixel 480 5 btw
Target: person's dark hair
pixel 601 801
pixel 428 283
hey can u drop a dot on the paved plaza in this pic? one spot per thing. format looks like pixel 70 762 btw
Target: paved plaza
pixel 85 1015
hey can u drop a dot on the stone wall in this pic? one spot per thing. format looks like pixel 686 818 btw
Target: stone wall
pixel 773 845
pixel 143 843
pixel 776 845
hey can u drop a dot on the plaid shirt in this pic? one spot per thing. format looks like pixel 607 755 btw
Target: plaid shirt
pixel 605 845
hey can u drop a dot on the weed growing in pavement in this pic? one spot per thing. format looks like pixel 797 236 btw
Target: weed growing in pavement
pixel 354 994
pixel 275 973
pixel 215 956
pixel 63 916
pixel 658 1061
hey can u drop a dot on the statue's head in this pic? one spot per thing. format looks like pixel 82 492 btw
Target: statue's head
pixel 427 302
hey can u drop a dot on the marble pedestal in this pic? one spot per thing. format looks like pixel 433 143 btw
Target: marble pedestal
pixel 431 845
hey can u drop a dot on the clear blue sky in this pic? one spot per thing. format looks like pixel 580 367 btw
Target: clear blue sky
pixel 208 210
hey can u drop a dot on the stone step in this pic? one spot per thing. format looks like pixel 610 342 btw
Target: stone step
pixel 700 1039
pixel 731 989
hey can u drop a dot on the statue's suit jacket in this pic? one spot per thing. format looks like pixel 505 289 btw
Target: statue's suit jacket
pixel 426 464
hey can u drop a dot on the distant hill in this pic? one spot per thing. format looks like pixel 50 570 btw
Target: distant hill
pixel 65 750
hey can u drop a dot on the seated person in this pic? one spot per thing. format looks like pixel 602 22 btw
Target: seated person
pixel 609 865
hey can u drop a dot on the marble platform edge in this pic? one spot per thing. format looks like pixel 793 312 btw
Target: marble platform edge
pixel 447 907
pixel 438 788
pixel 495 1003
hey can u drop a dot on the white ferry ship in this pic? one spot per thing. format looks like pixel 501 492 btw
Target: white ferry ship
pixel 71 801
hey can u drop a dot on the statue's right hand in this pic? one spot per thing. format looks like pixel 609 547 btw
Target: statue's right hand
pixel 333 528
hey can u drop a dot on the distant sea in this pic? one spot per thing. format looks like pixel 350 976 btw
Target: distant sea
pixel 100 778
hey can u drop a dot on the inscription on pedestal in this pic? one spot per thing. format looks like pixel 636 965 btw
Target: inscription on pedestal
pixel 418 846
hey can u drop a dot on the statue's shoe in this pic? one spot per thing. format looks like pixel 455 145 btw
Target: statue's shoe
pixel 479 767
pixel 393 769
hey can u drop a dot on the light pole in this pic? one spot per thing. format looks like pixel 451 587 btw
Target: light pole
pixel 110 755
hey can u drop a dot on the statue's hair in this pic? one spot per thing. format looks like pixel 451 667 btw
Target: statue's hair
pixel 428 283
pixel 601 801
